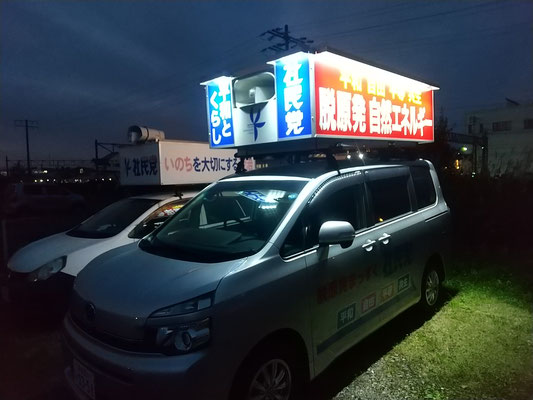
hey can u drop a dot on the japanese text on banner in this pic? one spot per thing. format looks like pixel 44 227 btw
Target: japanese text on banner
pixel 220 112
pixel 195 164
pixel 352 105
pixel 294 108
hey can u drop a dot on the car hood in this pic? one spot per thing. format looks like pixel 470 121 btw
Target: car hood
pixel 38 253
pixel 127 284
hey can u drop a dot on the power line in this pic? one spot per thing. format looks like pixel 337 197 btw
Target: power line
pixel 124 101
pixel 445 39
pixel 350 16
pixel 131 96
pixel 288 42
pixel 410 19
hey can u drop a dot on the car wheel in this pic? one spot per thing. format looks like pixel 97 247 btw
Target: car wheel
pixel 270 373
pixel 431 289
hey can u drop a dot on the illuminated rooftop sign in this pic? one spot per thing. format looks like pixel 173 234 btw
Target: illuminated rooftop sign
pixel 320 95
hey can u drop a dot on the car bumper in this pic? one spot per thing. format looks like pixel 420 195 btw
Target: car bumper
pixel 117 373
pixel 57 288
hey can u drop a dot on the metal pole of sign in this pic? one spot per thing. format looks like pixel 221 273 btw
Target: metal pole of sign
pixel 96 154
pixel 4 294
pixel 24 123
pixel 485 155
pixel 4 242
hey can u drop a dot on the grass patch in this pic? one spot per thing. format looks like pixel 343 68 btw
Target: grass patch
pixel 478 346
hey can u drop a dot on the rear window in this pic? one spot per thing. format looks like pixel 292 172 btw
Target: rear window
pixel 389 197
pixel 424 188
pixel 112 219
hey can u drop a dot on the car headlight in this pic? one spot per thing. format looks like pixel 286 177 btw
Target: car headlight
pixel 189 306
pixel 47 270
pixel 183 338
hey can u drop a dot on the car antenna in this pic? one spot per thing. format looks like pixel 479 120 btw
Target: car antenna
pixel 177 193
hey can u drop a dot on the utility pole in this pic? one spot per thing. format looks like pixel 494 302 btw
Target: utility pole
pixel 27 124
pixel 288 42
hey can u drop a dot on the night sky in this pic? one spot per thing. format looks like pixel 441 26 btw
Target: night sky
pixel 88 70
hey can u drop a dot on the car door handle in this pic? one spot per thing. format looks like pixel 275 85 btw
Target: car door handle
pixel 369 245
pixel 385 238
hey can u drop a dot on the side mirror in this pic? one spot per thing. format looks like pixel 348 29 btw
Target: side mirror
pixel 336 232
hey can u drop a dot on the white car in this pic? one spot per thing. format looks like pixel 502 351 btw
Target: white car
pixel 48 266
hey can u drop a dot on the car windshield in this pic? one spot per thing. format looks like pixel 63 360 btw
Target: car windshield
pixel 230 220
pixel 112 219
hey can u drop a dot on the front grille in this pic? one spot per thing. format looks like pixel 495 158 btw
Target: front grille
pixel 146 345
pixel 17 277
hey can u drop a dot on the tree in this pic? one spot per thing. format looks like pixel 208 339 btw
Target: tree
pixel 439 152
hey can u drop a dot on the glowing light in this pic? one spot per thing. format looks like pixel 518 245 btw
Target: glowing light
pixel 379 75
pixel 361 156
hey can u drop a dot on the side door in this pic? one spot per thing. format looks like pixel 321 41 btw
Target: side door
pixel 391 225
pixel 343 280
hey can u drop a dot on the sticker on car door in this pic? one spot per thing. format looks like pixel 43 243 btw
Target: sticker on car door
pixel 345 316
pixel 403 283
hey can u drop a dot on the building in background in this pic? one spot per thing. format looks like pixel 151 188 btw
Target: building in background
pixel 509 132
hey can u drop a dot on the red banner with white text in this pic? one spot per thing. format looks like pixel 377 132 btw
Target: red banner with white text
pixel 354 103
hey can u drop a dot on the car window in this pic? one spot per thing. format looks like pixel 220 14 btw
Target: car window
pixel 113 219
pixel 424 187
pixel 230 220
pixel 346 204
pixel 156 218
pixel 389 197
pixel 295 241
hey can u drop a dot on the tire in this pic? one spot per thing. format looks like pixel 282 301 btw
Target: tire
pixel 271 370
pixel 431 289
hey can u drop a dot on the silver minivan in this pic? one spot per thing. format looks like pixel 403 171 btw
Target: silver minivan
pixel 258 283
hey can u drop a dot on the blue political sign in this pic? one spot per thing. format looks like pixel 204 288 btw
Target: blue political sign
pixel 293 96
pixel 220 115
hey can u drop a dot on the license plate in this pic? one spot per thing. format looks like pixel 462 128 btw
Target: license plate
pixel 83 378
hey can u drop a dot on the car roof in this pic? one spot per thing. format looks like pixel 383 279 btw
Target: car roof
pixel 316 168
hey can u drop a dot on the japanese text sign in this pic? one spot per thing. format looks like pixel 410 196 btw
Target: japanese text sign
pixel 219 110
pixel 357 100
pixel 324 95
pixel 293 97
pixel 171 162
